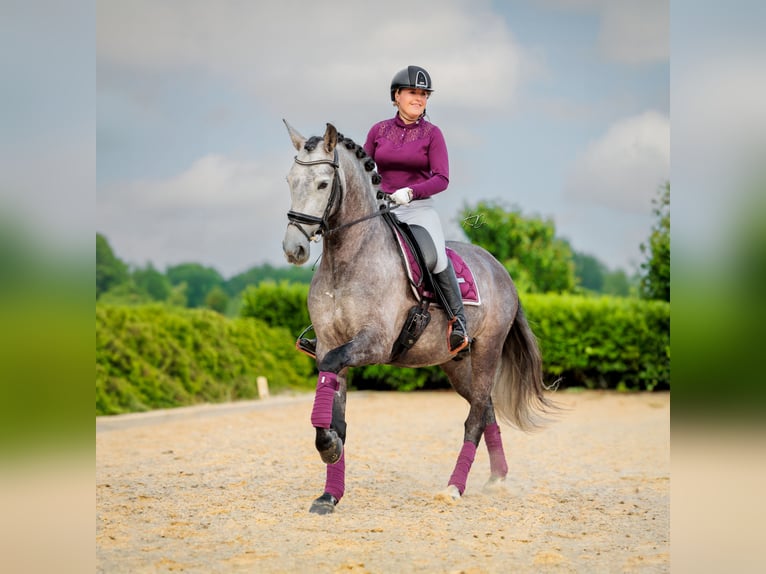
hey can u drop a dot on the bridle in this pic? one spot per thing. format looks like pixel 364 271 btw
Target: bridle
pixel 298 219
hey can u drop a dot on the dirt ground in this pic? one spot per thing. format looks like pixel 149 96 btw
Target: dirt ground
pixel 227 489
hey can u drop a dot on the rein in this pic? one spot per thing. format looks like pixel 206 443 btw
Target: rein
pixel 382 211
pixel 298 219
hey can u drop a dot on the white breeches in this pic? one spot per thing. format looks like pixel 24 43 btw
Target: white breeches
pixel 421 212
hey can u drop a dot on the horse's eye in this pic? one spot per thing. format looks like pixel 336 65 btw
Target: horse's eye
pixel 322 185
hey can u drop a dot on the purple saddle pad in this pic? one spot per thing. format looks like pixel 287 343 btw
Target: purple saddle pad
pixel 468 287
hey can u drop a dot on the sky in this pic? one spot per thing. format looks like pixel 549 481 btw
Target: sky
pixel 557 108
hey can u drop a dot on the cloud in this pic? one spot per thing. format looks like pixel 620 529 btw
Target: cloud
pixel 630 31
pixel 289 51
pixel 623 169
pixel 635 31
pixel 222 212
pixel 719 142
pixel 720 112
pixel 615 241
pixel 166 68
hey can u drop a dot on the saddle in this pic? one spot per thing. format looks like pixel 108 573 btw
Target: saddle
pixel 419 258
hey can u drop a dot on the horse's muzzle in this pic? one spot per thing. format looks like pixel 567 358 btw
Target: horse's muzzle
pixel 295 246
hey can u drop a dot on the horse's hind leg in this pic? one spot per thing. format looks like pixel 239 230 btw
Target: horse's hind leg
pixel 477 393
pixel 474 426
pixel 473 379
pixel 498 466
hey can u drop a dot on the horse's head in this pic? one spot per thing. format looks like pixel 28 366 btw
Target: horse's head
pixel 315 186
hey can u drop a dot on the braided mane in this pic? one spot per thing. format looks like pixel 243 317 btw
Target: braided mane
pixel 349 144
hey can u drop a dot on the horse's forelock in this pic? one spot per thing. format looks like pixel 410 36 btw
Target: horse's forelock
pixel 312 143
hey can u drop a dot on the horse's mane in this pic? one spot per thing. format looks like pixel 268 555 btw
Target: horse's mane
pixel 356 149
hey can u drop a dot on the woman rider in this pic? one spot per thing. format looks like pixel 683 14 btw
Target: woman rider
pixel 411 157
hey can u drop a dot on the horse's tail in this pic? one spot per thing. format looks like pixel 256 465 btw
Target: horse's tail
pixel 519 391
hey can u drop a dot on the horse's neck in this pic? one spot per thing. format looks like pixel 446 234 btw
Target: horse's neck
pixel 364 250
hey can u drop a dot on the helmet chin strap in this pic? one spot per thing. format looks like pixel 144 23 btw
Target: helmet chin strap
pixel 405 120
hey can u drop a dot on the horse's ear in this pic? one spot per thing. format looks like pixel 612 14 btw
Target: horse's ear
pixel 298 139
pixel 330 138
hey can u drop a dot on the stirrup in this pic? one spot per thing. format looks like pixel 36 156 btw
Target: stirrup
pixel 305 345
pixel 463 345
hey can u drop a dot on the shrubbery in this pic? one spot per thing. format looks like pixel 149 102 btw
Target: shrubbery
pixel 595 342
pixel 153 356
pixel 604 342
pixel 282 304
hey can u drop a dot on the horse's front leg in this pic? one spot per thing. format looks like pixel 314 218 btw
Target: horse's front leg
pixel 329 418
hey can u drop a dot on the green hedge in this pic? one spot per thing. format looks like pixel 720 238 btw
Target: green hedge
pixel 595 342
pixel 605 342
pixel 282 304
pixel 153 356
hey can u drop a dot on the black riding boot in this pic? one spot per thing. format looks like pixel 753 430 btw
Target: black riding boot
pixel 446 281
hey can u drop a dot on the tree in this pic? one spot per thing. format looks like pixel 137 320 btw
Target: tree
pixel 655 271
pixel 618 283
pixel 110 269
pixel 153 282
pixel 217 299
pixel 199 281
pixel 589 271
pixel 528 247
pixel 257 275
pixel 127 293
pixel 593 275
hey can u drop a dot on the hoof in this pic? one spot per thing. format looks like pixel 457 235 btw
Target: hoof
pixel 332 453
pixel 325 504
pixel 495 484
pixel 450 494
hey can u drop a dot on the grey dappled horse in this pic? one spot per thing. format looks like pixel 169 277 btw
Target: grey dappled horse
pixel 359 300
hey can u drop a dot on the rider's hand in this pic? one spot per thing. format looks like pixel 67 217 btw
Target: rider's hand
pixel 402 196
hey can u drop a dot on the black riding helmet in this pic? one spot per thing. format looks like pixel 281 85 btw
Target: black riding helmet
pixel 411 77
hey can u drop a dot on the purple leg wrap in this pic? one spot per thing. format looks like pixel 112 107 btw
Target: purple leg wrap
pixel 464 461
pixel 321 415
pixel 497 463
pixel 336 477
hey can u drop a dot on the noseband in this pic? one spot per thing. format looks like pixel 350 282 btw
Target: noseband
pixel 299 219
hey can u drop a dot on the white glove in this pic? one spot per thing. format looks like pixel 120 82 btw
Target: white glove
pixel 402 196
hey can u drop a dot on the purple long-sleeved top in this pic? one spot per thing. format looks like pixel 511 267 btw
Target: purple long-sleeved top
pixel 409 155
